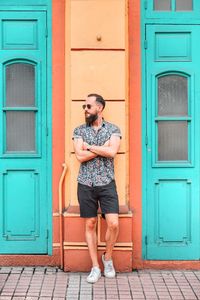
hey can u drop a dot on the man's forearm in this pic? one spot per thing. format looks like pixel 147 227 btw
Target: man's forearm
pixel 105 151
pixel 85 155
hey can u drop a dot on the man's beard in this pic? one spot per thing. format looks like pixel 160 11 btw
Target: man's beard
pixel 91 119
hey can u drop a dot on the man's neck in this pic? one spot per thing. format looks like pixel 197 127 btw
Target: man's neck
pixel 98 122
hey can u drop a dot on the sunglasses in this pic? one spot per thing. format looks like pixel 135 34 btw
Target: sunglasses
pixel 86 105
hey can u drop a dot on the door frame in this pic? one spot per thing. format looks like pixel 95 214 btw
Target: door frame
pixel 42 6
pixel 144 117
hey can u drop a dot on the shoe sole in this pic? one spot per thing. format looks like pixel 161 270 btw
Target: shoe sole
pixel 107 276
pixel 93 281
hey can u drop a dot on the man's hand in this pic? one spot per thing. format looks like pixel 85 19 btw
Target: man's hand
pixel 87 146
pixel 81 153
pixel 109 149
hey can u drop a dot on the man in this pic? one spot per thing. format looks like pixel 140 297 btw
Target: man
pixel 96 143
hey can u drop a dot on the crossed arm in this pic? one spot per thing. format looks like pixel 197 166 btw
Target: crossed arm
pixel 109 149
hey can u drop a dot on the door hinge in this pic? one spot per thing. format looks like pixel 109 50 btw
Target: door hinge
pixel 146 140
pixel 47 131
pixel 46 32
pixel 145 4
pixel 47 234
pixel 145 44
pixel 146 240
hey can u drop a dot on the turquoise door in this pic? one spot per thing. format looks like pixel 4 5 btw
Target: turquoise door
pixel 23 133
pixel 171 219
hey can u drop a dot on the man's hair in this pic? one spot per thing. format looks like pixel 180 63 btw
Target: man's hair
pixel 99 99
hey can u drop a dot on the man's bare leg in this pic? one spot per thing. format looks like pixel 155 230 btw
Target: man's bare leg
pixel 111 233
pixel 91 239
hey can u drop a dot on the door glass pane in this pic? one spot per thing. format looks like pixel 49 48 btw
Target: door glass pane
pixel 20 85
pixel 162 4
pixel 172 140
pixel 184 5
pixel 172 95
pixel 20 131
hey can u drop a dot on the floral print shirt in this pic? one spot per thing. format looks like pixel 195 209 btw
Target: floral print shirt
pixel 98 171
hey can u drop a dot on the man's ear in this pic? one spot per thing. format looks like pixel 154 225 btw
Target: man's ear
pixel 100 108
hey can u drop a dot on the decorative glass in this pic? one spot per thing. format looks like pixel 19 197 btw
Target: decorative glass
pixel 20 85
pixel 173 95
pixel 20 131
pixel 184 5
pixel 172 140
pixel 162 5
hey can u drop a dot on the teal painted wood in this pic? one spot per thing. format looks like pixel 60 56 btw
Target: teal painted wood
pixel 149 12
pixel 171 202
pixel 25 198
pixel 20 3
pixel 49 128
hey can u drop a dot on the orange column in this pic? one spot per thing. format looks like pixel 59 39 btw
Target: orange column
pixel 58 105
pixel 135 129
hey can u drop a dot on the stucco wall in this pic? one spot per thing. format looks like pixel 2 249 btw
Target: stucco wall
pixel 96 56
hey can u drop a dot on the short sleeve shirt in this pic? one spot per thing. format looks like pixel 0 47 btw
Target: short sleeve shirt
pixel 98 171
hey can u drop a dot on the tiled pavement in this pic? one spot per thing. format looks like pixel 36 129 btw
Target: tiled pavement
pixel 47 283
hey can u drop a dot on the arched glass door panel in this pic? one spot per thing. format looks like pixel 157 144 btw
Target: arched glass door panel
pixel 20 84
pixel 20 107
pixel 173 95
pixel 172 118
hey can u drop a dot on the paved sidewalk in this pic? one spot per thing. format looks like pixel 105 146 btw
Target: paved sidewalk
pixel 47 283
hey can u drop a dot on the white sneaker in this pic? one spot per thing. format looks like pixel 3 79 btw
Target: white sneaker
pixel 94 275
pixel 109 270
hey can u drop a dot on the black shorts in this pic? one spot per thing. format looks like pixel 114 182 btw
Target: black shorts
pixel 91 197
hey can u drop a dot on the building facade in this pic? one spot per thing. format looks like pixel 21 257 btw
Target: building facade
pixel 142 56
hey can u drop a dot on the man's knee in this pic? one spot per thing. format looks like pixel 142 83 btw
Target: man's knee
pixel 90 224
pixel 113 224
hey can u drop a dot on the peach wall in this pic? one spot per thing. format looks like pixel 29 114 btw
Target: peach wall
pixel 96 62
pixel 97 24
pixel 97 55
